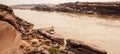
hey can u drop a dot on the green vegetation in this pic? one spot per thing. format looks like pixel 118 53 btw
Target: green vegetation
pixel 53 50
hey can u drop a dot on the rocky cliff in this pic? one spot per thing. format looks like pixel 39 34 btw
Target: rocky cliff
pixel 17 36
pixel 103 8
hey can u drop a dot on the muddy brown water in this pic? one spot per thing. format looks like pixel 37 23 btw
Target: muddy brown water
pixel 102 32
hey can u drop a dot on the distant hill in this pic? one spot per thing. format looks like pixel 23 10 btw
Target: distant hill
pixel 23 6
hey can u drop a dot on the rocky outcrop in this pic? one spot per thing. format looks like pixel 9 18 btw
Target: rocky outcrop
pixel 47 41
pixel 24 26
pixel 10 38
pixel 17 36
pixel 50 34
pixel 80 47
pixel 44 7
pixel 106 8
pixel 40 40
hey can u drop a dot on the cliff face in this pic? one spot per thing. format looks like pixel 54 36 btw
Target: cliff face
pixel 104 8
pixel 10 38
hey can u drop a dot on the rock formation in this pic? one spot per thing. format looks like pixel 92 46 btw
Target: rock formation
pixel 80 47
pixel 41 40
pixel 10 38
pixel 17 36
pixel 103 8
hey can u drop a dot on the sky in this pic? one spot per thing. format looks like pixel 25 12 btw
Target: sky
pixel 13 2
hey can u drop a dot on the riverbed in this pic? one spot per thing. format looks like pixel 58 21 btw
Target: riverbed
pixel 96 30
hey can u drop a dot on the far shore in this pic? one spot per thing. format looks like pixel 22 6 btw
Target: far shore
pixel 89 8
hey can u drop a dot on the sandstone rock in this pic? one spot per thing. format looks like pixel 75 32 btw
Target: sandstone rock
pixel 67 52
pixel 82 47
pixel 10 38
pixel 5 8
pixel 11 19
pixel 45 52
pixel 35 42
pixel 25 43
pixel 24 26
pixel 53 36
pixel 7 15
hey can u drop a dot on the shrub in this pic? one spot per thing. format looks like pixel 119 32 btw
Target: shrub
pixel 54 50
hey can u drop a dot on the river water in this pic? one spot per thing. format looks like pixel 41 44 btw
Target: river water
pixel 96 30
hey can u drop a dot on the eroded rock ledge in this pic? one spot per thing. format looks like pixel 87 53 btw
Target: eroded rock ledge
pixel 44 39
pixel 102 8
pixel 21 37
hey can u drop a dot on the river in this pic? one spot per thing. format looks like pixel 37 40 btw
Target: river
pixel 102 32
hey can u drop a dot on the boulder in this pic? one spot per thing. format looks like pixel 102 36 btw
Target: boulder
pixel 10 38
pixel 24 26
pixel 84 48
pixel 50 34
pixel 6 14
